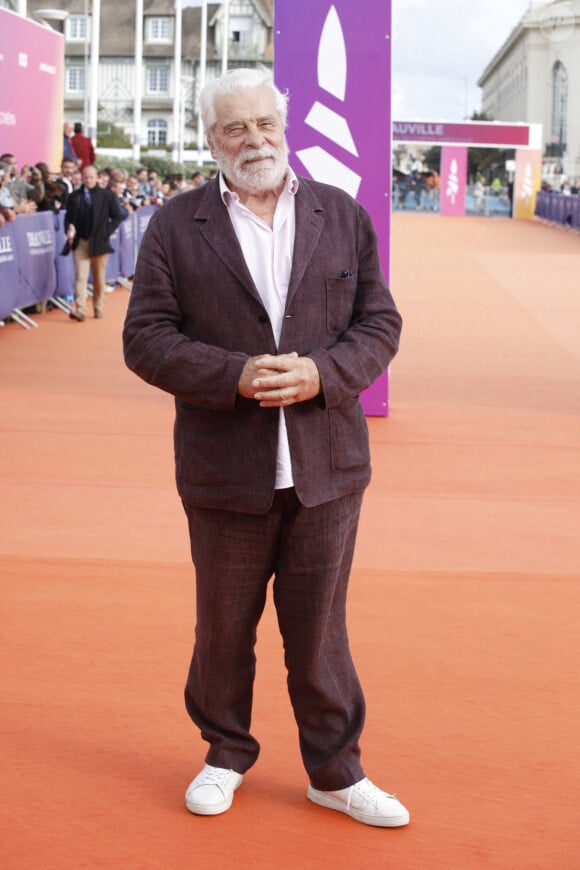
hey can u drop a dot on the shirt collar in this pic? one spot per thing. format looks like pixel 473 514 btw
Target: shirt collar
pixel 229 196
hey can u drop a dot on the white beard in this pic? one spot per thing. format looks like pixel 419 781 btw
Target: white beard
pixel 248 171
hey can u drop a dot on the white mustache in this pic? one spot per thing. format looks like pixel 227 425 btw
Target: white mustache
pixel 250 155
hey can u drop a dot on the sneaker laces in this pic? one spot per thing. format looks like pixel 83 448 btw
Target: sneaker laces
pixel 367 790
pixel 213 776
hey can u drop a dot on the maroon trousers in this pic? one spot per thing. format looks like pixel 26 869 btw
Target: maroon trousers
pixel 309 553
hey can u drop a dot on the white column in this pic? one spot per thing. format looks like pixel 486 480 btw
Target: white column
pixel 201 79
pixel 94 88
pixel 138 101
pixel 226 35
pixel 177 81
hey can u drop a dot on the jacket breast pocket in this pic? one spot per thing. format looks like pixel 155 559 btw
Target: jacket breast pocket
pixel 340 296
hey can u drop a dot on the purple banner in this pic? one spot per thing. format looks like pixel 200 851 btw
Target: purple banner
pixel 336 65
pixel 35 251
pixel 466 133
pixel 143 217
pixel 453 180
pixel 8 271
pixel 65 269
pixel 114 259
pixel 337 69
pixel 127 246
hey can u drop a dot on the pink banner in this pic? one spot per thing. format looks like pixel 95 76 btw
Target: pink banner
pixel 31 95
pixel 465 133
pixel 453 180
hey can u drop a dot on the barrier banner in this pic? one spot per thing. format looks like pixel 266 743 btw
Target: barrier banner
pixel 336 67
pixel 453 180
pixel 35 253
pixel 127 246
pixel 527 182
pixel 8 271
pixel 575 211
pixel 143 217
pixel 114 259
pixel 65 267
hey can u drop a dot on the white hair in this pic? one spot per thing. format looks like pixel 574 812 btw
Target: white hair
pixel 239 80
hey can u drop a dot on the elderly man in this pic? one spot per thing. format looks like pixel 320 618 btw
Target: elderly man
pixel 92 216
pixel 67 148
pixel 259 303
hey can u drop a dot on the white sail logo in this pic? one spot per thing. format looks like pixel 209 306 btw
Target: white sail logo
pixel 332 78
pixel 527 183
pixel 452 188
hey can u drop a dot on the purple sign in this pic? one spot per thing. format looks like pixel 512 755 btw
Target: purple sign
pixel 453 180
pixel 337 69
pixel 336 66
pixel 466 133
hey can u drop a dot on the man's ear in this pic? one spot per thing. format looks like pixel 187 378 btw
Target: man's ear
pixel 210 143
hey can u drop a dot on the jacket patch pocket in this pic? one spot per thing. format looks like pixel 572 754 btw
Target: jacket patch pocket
pixel 340 296
pixel 349 436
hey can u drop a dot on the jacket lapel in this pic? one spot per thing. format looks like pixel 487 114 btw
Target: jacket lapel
pixel 309 223
pixel 216 228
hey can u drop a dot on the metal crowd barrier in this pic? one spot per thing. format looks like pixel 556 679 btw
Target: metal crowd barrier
pixel 32 269
pixel 559 208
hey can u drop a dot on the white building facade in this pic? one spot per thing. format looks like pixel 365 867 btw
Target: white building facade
pixel 535 78
pixel 250 36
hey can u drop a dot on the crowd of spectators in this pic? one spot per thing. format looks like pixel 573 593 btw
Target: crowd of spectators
pixel 35 187
pixel 567 187
pixel 418 190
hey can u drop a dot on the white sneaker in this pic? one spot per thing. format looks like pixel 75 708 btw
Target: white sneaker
pixel 364 802
pixel 212 791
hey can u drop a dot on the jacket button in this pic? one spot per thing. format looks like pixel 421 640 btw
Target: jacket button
pixel 263 318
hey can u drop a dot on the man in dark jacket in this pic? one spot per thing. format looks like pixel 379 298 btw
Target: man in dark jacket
pixel 92 216
pixel 259 303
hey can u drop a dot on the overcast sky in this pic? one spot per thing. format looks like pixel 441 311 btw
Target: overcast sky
pixel 440 49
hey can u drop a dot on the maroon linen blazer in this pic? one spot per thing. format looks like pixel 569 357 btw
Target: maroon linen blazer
pixel 195 316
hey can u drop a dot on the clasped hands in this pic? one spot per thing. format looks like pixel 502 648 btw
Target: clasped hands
pixel 279 381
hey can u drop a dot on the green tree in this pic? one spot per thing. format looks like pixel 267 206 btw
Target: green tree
pixel 111 136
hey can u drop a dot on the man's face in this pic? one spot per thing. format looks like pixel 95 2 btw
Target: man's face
pixel 68 128
pixel 67 168
pixel 248 141
pixel 90 177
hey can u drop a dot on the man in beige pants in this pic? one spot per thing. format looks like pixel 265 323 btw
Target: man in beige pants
pixel 92 216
